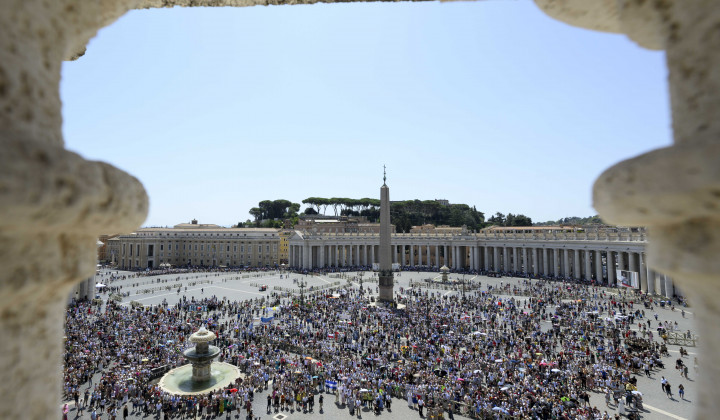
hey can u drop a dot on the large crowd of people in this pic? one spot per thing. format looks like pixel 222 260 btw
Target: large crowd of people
pixel 532 350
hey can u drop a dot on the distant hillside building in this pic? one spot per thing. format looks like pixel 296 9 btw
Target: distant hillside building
pixel 342 224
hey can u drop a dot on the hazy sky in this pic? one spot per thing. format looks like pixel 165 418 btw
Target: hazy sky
pixel 492 104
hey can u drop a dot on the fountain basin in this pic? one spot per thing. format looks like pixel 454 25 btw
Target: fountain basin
pixel 179 381
pixel 192 354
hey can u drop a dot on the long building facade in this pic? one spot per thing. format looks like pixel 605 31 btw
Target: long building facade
pixel 193 244
pixel 561 253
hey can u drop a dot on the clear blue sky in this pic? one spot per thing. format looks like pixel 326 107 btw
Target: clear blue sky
pixel 492 104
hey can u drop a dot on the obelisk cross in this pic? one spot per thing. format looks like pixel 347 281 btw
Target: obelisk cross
pixel 384 175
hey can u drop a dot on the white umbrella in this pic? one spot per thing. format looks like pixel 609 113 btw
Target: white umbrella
pixel 99 285
pixel 498 360
pixel 555 370
pixel 505 388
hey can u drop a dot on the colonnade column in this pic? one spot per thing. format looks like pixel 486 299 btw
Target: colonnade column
pixel 566 263
pixel 621 260
pixel 577 272
pixel 556 262
pixel 476 259
pixel 496 258
pixel 535 261
pixel 507 256
pixel 516 260
pixel 545 262
pixel 588 264
pixel 486 254
pixel 633 262
pixel 643 273
pixel 669 290
pixel 610 265
pixel 660 277
pixel 305 253
pixel 598 267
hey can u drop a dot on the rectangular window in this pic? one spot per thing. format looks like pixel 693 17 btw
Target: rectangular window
pixel 161 247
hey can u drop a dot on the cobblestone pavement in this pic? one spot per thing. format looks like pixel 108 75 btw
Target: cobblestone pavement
pixel 234 286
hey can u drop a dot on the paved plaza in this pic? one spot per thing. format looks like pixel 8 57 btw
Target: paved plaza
pixel 234 286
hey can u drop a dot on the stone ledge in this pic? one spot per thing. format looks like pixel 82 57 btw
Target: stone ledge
pixel 44 188
pixel 664 187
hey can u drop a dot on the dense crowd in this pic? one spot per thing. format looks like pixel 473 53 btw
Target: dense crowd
pixel 490 355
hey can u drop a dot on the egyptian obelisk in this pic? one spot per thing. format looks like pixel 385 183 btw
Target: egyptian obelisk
pixel 386 274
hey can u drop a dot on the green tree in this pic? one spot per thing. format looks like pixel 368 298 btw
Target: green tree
pixel 498 219
pixel 256 213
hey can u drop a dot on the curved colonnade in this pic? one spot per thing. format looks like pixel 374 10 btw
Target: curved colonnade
pixel 576 255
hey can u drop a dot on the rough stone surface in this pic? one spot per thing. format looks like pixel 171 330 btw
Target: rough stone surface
pixel 598 15
pixel 689 251
pixel 38 272
pixel 50 189
pixel 665 186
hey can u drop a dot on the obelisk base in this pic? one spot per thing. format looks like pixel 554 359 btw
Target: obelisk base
pixel 386 286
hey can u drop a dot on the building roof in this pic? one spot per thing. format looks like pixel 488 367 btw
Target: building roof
pixel 533 228
pixel 208 229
